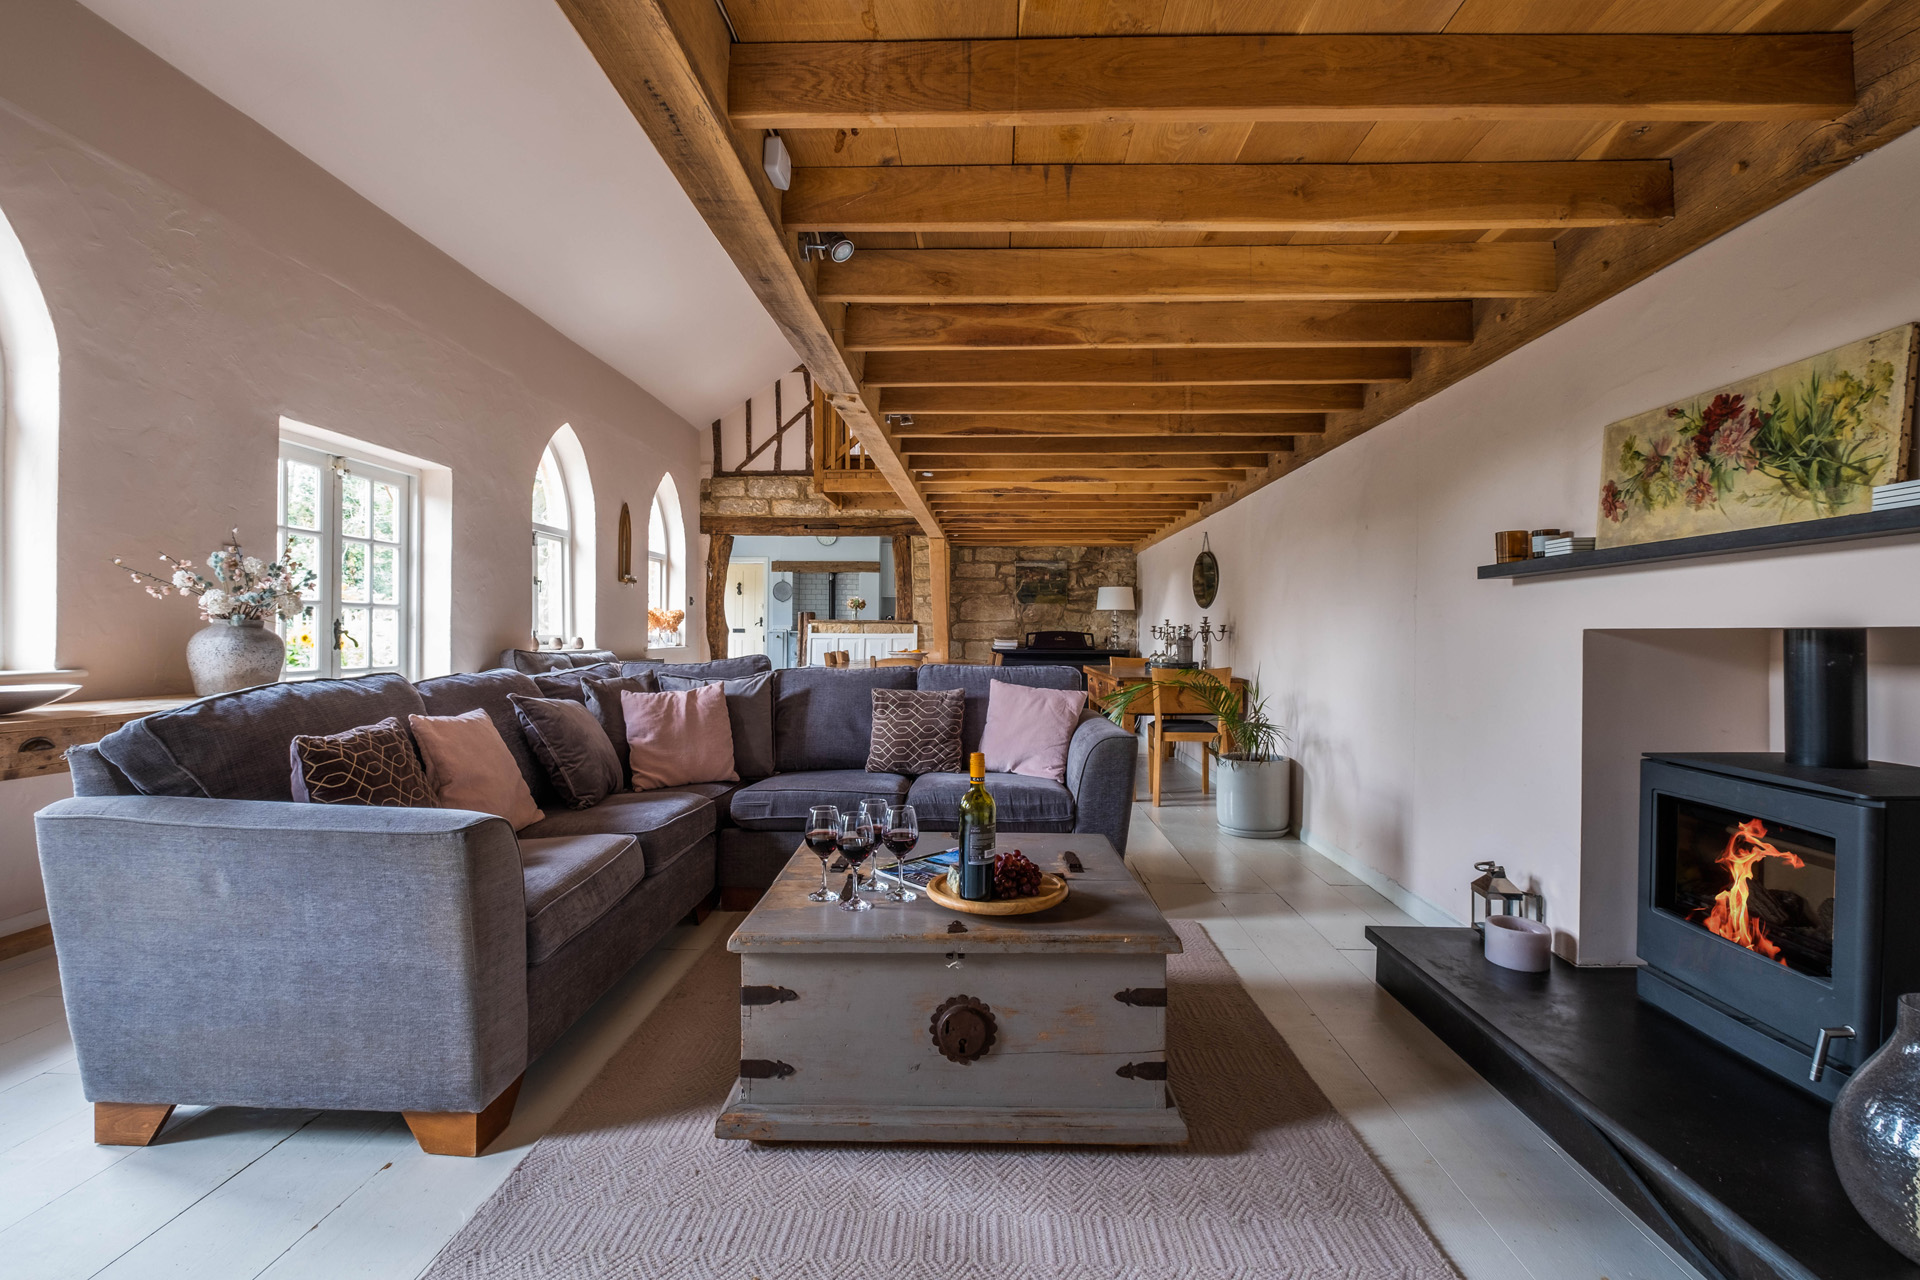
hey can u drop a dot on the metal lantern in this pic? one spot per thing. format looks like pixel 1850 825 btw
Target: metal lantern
pixel 1493 894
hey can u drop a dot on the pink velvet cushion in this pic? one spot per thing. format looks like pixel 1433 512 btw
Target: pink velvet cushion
pixel 1028 729
pixel 469 767
pixel 674 738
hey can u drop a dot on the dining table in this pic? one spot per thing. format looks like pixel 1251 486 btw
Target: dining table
pixel 1103 683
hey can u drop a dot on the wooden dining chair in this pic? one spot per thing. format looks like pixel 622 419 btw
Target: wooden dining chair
pixel 1180 715
pixel 1127 666
pixel 878 661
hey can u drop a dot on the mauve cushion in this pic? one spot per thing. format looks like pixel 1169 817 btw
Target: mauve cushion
pixel 491 691
pixel 603 699
pixel 1028 729
pixel 574 748
pixel 469 767
pixel 374 764
pixel 749 713
pixel 675 738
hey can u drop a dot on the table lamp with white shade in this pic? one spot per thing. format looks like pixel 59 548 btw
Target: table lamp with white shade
pixel 1115 600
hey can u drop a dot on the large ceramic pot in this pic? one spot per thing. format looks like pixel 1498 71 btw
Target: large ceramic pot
pixel 1256 797
pixel 234 655
pixel 1875 1135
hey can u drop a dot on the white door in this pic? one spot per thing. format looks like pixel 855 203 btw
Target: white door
pixel 746 607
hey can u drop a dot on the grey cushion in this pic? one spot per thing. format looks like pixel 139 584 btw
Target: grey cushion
pixel 668 822
pixel 973 681
pixel 572 747
pixel 749 715
pixel 603 699
pixel 573 881
pixel 751 664
pixel 233 746
pixel 1020 803
pixel 568 684
pixel 529 661
pixel 823 716
pixel 491 692
pixel 780 803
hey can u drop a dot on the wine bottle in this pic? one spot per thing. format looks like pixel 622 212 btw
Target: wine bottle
pixel 976 835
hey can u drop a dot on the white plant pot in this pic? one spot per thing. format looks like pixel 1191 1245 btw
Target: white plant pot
pixel 226 656
pixel 1256 797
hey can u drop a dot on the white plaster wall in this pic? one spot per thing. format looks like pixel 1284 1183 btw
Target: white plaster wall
pixel 204 279
pixel 1438 718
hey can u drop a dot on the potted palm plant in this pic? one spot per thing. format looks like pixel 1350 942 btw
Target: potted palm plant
pixel 1256 799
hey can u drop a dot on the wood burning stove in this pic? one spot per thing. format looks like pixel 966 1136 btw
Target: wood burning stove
pixel 1777 890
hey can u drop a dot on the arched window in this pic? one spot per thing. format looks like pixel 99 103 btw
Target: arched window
pixel 30 426
pixel 552 551
pixel 665 574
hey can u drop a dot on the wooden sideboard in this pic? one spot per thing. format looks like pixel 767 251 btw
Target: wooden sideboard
pixel 34 743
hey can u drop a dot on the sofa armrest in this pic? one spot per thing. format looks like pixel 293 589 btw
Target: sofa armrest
pixel 1100 765
pixel 269 954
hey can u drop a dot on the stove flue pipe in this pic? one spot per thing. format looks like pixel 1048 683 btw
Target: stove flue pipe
pixel 1826 697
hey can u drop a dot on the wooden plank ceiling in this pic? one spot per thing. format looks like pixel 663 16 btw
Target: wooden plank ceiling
pixel 1115 258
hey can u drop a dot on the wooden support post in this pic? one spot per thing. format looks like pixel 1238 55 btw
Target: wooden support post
pixel 129 1124
pixel 463 1133
pixel 940 593
pixel 903 577
pixel 719 553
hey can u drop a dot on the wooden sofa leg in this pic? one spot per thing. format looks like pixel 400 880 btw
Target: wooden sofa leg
pixel 463 1133
pixel 129 1124
pixel 704 908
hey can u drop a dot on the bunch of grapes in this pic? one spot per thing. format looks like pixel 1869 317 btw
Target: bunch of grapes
pixel 1014 876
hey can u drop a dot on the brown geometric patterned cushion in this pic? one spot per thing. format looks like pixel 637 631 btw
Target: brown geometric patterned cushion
pixel 916 731
pixel 374 764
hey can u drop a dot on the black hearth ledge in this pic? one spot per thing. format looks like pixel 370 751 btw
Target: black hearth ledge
pixel 1723 1160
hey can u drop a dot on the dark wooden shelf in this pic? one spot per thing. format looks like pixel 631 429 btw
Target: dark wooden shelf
pixel 1871 524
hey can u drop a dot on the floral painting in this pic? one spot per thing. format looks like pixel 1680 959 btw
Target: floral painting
pixel 1808 440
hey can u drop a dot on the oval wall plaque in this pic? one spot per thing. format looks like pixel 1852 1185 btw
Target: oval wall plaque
pixel 1206 576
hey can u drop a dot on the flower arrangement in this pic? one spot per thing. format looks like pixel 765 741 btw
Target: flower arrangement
pixel 243 588
pixel 665 621
pixel 856 603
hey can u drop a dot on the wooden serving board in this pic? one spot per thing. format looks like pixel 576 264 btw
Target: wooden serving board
pixel 1053 891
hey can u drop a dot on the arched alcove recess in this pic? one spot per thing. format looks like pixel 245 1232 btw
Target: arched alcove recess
pixel 573 468
pixel 29 464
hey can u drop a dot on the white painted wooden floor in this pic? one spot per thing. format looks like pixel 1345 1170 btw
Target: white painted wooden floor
pixel 231 1193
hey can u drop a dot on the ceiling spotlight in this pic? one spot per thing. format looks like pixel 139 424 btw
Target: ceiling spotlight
pixel 832 245
pixel 927 474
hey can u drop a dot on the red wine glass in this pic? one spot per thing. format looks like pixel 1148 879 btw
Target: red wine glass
pixel 900 832
pixel 823 837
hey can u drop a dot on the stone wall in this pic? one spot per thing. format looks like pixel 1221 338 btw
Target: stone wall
pixel 751 495
pixel 985 608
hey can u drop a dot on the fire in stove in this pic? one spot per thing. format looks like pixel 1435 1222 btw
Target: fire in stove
pixel 1729 917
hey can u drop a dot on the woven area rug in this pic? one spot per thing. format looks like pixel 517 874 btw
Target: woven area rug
pixel 632 1182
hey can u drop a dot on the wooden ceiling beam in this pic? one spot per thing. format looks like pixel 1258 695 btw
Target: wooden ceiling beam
pixel 1211 273
pixel 1290 78
pixel 1026 326
pixel 1465 196
pixel 917 447
pixel 1202 489
pixel 1009 427
pixel 1147 366
pixel 803 526
pixel 1099 474
pixel 668 60
pixel 940 463
pixel 928 402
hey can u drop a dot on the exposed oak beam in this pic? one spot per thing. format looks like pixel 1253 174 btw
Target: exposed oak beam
pixel 941 463
pixel 773 526
pixel 933 401
pixel 1146 366
pixel 668 61
pixel 1223 273
pixel 919 447
pixel 1112 424
pixel 1162 324
pixel 1230 197
pixel 1028 475
pixel 1252 78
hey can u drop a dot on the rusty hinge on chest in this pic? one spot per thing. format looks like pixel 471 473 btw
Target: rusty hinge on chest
pixel 1145 997
pixel 1143 1071
pixel 765 1069
pixel 767 995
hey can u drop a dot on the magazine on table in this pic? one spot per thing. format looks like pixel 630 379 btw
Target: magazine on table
pixel 918 871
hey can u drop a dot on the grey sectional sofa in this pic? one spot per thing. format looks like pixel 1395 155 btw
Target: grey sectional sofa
pixel 221 944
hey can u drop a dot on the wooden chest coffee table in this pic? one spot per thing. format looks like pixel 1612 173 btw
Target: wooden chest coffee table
pixel 915 1023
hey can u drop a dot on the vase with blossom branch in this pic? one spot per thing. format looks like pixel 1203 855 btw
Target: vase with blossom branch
pixel 234 650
